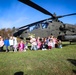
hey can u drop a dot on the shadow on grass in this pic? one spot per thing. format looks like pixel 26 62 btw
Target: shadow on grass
pixel 65 45
pixel 74 71
pixel 73 61
pixel 19 73
pixel 2 51
pixel 68 44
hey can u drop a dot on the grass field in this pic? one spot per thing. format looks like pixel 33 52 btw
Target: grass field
pixel 49 62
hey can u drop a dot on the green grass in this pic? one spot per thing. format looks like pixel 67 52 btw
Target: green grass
pixel 49 62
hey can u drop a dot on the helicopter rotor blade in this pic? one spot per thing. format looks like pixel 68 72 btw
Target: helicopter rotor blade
pixel 32 24
pixel 37 7
pixel 66 15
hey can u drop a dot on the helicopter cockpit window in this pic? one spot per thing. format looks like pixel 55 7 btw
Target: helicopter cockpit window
pixel 50 21
pixel 31 28
pixel 44 25
pixel 34 27
pixel 37 26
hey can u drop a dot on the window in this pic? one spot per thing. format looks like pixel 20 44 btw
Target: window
pixel 44 25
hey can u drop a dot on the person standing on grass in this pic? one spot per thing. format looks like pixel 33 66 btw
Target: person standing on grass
pixel 11 43
pixel 15 44
pixel 6 44
pixel 1 44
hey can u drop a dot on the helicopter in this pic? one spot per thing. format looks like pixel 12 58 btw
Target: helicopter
pixel 50 26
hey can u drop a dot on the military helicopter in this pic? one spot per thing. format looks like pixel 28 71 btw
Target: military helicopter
pixel 50 26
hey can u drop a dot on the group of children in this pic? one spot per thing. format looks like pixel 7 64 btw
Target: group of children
pixel 40 44
pixel 45 43
pixel 31 44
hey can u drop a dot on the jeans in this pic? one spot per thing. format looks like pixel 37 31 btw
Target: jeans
pixel 34 47
pixel 15 48
pixel 6 48
pixel 60 46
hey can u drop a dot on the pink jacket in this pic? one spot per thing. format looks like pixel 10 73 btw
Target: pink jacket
pixel 21 46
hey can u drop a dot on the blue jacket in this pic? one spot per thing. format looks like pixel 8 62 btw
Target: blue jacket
pixel 6 42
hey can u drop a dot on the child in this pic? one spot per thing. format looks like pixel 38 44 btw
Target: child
pixel 50 44
pixel 6 44
pixel 59 44
pixel 43 46
pixel 21 46
pixel 1 44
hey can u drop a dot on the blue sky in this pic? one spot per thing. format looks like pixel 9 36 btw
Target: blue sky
pixel 16 14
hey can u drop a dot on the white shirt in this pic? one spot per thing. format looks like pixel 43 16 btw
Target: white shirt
pixel 11 41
